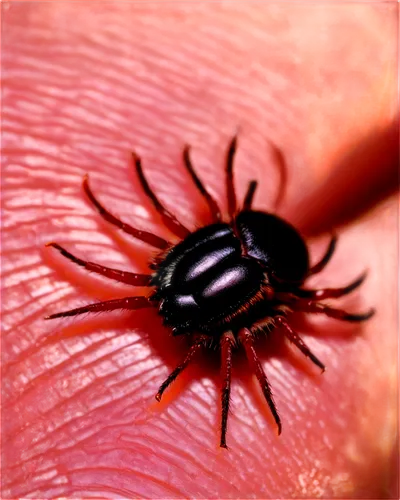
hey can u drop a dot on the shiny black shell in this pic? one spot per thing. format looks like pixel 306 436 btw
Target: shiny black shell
pixel 219 273
pixel 275 243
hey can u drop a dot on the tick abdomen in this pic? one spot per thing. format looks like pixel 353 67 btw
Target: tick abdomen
pixel 205 278
pixel 272 240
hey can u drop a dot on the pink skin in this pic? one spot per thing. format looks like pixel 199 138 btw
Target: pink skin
pixel 83 86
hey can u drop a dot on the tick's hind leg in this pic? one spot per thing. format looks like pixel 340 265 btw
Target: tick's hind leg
pixel 230 187
pixel 145 236
pixel 133 279
pixel 212 204
pixel 248 199
pixel 298 342
pixel 168 218
pixel 325 259
pixel 316 307
pixel 198 342
pixel 227 342
pixel 281 164
pixel 330 293
pixel 246 338
pixel 127 303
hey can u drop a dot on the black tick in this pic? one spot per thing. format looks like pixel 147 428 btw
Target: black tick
pixel 224 283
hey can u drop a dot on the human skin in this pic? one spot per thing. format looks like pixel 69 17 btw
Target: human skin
pixel 83 86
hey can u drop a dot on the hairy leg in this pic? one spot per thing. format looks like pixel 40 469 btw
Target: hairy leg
pixel 145 236
pixel 212 204
pixel 231 194
pixel 248 199
pixel 316 307
pixel 246 338
pixel 298 342
pixel 128 303
pixel 281 164
pixel 133 279
pixel 198 342
pixel 227 343
pixel 326 258
pixel 330 293
pixel 168 218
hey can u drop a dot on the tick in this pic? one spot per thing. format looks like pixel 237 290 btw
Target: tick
pixel 223 284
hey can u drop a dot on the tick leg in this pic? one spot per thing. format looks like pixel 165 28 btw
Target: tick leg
pixel 128 303
pixel 316 307
pixel 280 162
pixel 198 342
pixel 298 342
pixel 133 279
pixel 169 219
pixel 326 258
pixel 246 339
pixel 229 178
pixel 248 199
pixel 227 342
pixel 145 236
pixel 330 293
pixel 212 204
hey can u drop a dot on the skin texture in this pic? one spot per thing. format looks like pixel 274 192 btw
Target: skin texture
pixel 82 87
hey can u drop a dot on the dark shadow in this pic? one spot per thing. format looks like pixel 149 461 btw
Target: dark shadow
pixel 365 176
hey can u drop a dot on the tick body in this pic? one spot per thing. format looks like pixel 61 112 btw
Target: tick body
pixel 224 284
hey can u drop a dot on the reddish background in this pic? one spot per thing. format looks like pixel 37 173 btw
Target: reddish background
pixel 85 83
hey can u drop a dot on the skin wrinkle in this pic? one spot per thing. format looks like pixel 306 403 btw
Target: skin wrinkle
pixel 136 475
pixel 143 449
pixel 37 198
pixel 99 281
pixel 69 422
pixel 94 492
pixel 26 272
pixel 165 461
pixel 175 459
pixel 22 223
pixel 172 133
pixel 70 361
pixel 30 317
pixel 172 453
pixel 198 438
pixel 64 447
pixel 28 263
